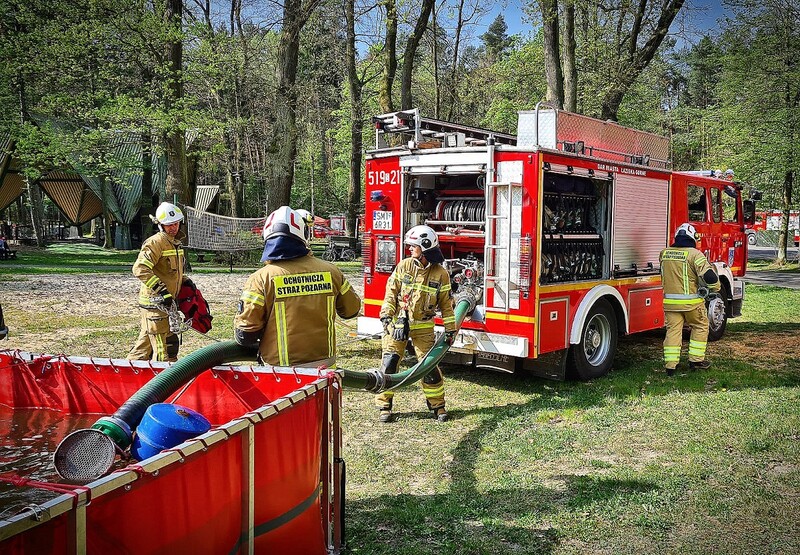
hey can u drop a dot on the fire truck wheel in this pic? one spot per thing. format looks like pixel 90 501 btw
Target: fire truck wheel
pixel 751 238
pixel 593 356
pixel 718 315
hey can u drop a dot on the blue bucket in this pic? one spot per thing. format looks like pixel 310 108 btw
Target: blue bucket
pixel 165 425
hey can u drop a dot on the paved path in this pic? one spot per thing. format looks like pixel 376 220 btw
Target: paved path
pixel 778 279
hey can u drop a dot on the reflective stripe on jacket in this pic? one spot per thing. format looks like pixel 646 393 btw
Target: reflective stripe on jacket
pixel 295 302
pixel 680 271
pixel 419 292
pixel 160 267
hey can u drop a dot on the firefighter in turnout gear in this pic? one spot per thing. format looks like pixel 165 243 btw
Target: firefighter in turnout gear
pixel 288 308
pixel 417 287
pixel 684 271
pixel 160 267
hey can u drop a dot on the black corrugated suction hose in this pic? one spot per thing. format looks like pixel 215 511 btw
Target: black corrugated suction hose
pixel 167 382
pixel 123 422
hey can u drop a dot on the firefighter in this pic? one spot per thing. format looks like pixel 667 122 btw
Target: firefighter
pixel 288 307
pixel 3 328
pixel 684 271
pixel 417 287
pixel 309 219
pixel 160 267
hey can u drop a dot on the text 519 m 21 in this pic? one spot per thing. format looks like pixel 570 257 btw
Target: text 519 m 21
pixel 383 177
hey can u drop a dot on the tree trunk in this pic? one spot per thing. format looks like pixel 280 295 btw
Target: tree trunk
pixel 783 235
pixel 636 59
pixel 356 121
pixel 435 53
pixel 283 147
pixel 406 100
pixel 35 211
pixel 552 57
pixel 284 140
pixel 390 58
pixel 148 201
pixel 34 192
pixel 107 243
pixel 454 99
pixel 569 67
pixel 175 140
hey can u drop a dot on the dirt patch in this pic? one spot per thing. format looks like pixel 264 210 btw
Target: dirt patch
pixel 84 295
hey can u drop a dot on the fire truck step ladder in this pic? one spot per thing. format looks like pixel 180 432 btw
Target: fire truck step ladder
pixel 499 281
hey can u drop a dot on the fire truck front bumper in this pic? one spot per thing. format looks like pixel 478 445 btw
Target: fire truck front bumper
pixel 466 341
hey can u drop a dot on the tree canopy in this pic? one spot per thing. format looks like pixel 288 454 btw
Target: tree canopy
pixel 272 103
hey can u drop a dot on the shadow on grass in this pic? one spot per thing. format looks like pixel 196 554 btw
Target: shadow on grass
pixel 467 520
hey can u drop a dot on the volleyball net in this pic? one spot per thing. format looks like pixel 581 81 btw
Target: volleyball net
pixel 212 232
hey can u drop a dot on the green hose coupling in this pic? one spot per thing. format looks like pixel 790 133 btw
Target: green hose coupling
pixel 115 428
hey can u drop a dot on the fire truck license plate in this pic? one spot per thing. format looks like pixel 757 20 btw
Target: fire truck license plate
pixel 381 219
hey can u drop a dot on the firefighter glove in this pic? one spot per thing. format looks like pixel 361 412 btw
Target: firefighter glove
pixel 386 321
pixel 167 301
pixel 400 332
pixel 449 336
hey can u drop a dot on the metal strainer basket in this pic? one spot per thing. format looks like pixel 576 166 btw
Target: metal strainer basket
pixel 84 455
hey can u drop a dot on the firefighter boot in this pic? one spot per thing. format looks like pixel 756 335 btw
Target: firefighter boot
pixel 440 414
pixel 386 414
pixel 700 365
pixel 384 400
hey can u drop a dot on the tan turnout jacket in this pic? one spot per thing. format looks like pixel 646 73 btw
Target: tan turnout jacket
pixel 160 264
pixel 681 268
pixel 418 291
pixel 295 302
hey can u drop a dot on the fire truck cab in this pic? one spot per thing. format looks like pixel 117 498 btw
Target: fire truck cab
pixel 561 225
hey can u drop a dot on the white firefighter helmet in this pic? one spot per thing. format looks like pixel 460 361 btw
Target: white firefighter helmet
pixel 306 215
pixel 687 229
pixel 285 222
pixel 422 236
pixel 167 213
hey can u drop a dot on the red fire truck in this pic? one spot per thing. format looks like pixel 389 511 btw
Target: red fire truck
pixel 561 225
pixel 771 221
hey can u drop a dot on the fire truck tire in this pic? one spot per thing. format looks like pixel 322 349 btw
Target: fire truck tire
pixel 718 315
pixel 593 356
pixel 751 238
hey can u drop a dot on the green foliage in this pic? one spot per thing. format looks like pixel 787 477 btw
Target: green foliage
pixel 495 39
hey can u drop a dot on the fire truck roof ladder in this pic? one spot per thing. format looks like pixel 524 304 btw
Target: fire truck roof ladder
pixel 411 123
pixel 551 128
pixel 494 218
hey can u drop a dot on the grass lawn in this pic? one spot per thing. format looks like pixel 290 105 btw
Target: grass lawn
pixel 635 462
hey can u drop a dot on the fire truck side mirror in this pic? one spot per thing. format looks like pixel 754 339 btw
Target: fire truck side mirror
pixel 749 211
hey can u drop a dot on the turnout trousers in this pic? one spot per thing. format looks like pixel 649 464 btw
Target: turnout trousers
pixel 697 320
pixel 432 384
pixel 155 341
